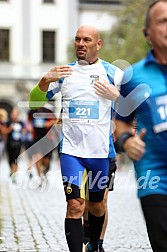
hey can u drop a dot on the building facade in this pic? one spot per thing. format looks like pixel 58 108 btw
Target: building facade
pixel 34 36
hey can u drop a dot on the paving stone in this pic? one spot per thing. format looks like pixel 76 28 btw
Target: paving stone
pixel 33 219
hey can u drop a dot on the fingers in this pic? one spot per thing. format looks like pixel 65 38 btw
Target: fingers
pixel 100 87
pixel 99 90
pixel 64 68
pixel 106 90
pixel 59 72
pixel 135 147
pixel 61 69
pixel 142 133
pixel 138 152
pixel 135 154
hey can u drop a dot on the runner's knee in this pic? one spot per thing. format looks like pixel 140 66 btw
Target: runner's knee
pixel 75 208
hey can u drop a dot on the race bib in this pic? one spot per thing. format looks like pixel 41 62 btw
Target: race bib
pixel 16 134
pixel 158 107
pixel 39 122
pixel 83 111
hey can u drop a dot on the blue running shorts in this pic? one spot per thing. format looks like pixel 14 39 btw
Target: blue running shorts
pixel 84 177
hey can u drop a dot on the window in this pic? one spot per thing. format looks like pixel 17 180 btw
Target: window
pixel 4 45
pixel 48 1
pixel 48 46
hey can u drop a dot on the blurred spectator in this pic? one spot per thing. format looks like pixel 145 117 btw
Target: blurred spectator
pixel 28 141
pixel 14 131
pixel 42 121
pixel 3 119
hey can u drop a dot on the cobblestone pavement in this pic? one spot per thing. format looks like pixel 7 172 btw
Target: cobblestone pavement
pixel 32 218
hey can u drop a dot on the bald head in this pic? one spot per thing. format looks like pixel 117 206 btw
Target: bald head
pixel 87 43
pixel 90 30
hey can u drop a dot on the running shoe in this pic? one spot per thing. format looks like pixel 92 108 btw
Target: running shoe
pixel 88 248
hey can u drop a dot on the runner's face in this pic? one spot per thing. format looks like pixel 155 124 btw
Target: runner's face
pixel 157 31
pixel 87 44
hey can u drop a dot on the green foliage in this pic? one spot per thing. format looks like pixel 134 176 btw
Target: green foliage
pixel 71 52
pixel 125 40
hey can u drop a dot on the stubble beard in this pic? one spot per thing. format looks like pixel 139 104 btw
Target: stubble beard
pixel 81 57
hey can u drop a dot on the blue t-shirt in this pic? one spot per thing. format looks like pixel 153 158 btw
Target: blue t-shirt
pixel 149 79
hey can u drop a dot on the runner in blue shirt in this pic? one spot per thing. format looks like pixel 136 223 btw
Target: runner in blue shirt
pixel 149 147
pixel 144 98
